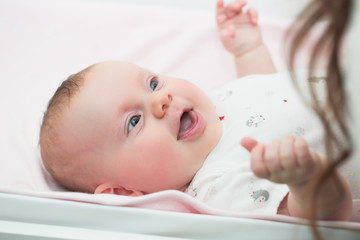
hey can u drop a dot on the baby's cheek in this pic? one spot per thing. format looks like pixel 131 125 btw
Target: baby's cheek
pixel 169 170
pixel 155 157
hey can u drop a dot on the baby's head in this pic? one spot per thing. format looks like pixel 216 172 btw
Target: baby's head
pixel 117 128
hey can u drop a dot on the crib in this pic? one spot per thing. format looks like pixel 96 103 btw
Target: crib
pixel 44 41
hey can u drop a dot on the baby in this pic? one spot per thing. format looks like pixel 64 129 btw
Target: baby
pixel 120 129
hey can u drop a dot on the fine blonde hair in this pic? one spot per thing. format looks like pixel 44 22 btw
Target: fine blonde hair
pixel 54 157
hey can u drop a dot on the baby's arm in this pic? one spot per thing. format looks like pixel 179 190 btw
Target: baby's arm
pixel 294 163
pixel 241 36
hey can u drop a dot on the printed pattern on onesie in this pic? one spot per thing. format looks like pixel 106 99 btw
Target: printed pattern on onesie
pixel 267 108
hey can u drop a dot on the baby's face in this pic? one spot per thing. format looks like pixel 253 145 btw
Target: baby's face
pixel 143 132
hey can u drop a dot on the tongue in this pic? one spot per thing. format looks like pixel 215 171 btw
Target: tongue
pixel 186 122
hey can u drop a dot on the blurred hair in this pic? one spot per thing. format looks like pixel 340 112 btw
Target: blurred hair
pixel 335 15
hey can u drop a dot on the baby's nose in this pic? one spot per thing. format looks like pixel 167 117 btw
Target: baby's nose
pixel 159 103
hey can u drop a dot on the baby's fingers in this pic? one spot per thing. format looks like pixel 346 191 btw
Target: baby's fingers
pixel 234 8
pixel 258 165
pixel 304 157
pixel 253 15
pixel 220 12
pixel 220 4
pixel 272 160
pixel 229 11
pixel 256 150
pixel 287 154
pixel 248 143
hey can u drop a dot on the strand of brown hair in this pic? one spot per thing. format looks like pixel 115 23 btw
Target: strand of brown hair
pixel 338 144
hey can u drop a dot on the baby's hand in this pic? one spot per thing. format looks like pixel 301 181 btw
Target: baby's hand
pixel 290 161
pixel 238 29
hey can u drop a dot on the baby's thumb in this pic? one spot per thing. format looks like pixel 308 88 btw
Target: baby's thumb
pixel 248 143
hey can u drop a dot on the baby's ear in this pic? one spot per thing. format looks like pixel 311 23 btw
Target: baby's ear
pixel 116 189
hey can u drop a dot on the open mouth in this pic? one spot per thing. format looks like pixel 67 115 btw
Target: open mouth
pixel 191 124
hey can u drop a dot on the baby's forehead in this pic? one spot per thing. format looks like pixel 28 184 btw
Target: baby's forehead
pixel 116 65
pixel 111 81
pixel 114 70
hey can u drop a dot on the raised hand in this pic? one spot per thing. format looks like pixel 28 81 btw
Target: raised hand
pixel 294 163
pixel 239 31
pixel 290 161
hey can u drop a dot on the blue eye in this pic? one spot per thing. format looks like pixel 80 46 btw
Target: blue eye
pixel 153 83
pixel 132 123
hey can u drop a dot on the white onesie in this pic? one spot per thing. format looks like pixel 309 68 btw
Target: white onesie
pixel 267 108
